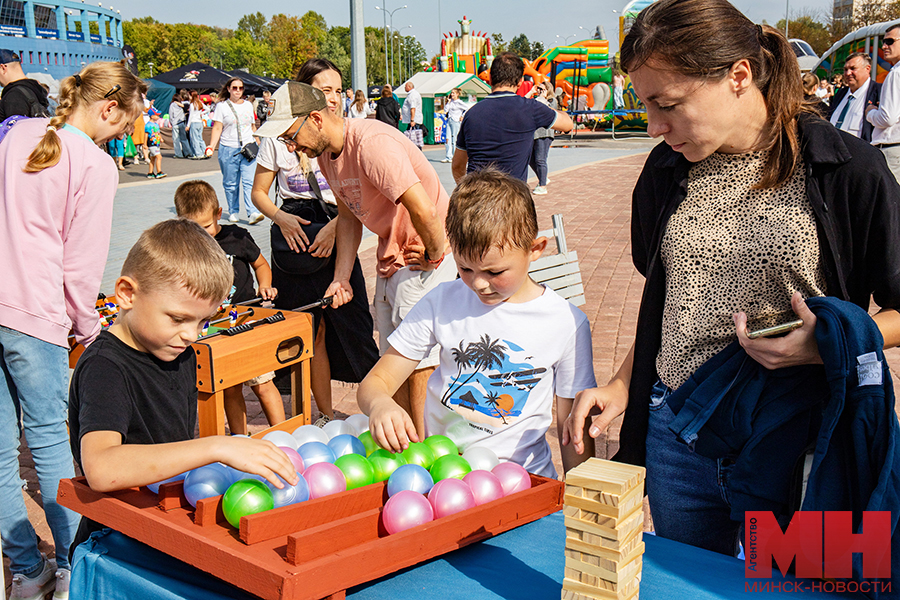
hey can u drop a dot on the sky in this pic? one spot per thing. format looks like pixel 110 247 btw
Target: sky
pixel 548 21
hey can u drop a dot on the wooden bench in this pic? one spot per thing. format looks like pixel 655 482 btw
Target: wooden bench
pixel 559 272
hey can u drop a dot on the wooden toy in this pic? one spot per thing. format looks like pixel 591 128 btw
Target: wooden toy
pixel 604 531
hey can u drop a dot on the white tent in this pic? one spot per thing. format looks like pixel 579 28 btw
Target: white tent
pixel 438 85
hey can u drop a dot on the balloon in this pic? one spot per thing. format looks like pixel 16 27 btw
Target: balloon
pixel 406 509
pixel 420 454
pixel 485 486
pixel 346 444
pixel 154 487
pixel 296 459
pixel 289 494
pixel 450 496
pixel 324 479
pixel 450 465
pixel 410 477
pixel 385 463
pixel 356 469
pixel 315 452
pixel 205 482
pixel 368 442
pixel 282 438
pixel 481 458
pixel 441 445
pixel 336 427
pixel 309 433
pixel 246 497
pixel 359 422
pixel 512 477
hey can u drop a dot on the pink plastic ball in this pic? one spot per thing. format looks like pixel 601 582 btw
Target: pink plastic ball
pixel 295 458
pixel 485 486
pixel 406 509
pixel 450 496
pixel 324 479
pixel 514 478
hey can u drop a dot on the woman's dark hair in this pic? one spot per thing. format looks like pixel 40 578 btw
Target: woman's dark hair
pixel 507 69
pixel 224 93
pixel 704 39
pixel 313 67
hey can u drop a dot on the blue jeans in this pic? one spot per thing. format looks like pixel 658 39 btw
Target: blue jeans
pixel 688 493
pixel 198 146
pixel 237 175
pixel 539 152
pixel 180 141
pixel 34 392
pixel 452 132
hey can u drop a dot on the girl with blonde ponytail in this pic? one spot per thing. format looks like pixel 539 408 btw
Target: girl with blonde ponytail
pixel 56 194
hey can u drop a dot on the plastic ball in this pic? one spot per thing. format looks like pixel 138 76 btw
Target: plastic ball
pixel 357 470
pixel 309 433
pixel 205 482
pixel 154 487
pixel 346 444
pixel 406 509
pixel 450 465
pixel 485 486
pixel 324 479
pixel 441 445
pixel 368 442
pixel 295 458
pixel 282 438
pixel 481 458
pixel 410 477
pixel 385 463
pixel 289 494
pixel 337 427
pixel 246 497
pixel 359 422
pixel 420 454
pixel 315 452
pixel 450 496
pixel 513 477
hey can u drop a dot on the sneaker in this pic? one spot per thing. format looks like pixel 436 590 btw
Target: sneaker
pixel 233 218
pixel 321 421
pixel 151 176
pixel 62 584
pixel 35 588
pixel 539 190
pixel 445 160
pixel 256 218
pixel 160 175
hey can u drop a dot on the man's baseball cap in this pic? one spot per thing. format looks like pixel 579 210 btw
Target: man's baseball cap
pixel 8 56
pixel 290 101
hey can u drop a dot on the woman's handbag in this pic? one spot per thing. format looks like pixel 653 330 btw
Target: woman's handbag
pixel 318 213
pixel 250 150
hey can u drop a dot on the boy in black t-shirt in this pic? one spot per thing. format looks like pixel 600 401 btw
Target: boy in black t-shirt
pixel 196 200
pixel 133 397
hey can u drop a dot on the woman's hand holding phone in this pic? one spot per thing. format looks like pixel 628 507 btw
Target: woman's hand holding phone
pixel 798 347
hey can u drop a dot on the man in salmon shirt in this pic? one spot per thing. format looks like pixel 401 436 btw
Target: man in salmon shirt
pixel 384 182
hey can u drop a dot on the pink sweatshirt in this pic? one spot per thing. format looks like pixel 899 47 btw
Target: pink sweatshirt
pixel 54 235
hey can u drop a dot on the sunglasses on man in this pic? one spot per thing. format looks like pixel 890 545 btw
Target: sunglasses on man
pixel 888 41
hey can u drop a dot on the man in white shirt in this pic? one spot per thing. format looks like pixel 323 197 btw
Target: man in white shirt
pixel 886 116
pixel 848 104
pixel 411 114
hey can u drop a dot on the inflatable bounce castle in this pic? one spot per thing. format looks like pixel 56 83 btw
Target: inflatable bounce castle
pixel 465 52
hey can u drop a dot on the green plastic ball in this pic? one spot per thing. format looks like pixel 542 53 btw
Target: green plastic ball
pixel 385 463
pixel 441 445
pixel 356 469
pixel 246 497
pixel 450 465
pixel 420 454
pixel 368 442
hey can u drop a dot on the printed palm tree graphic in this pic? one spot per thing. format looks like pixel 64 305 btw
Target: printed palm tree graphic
pixel 483 355
pixel 492 399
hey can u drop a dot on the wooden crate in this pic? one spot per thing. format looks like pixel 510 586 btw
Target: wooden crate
pixel 307 551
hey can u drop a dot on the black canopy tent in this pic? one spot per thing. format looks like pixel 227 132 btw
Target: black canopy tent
pixel 195 76
pixel 254 84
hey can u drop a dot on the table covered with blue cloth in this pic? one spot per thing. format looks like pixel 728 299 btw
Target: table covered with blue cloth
pixel 526 562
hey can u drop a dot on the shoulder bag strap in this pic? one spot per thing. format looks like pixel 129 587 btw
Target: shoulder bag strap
pixel 237 121
pixel 317 191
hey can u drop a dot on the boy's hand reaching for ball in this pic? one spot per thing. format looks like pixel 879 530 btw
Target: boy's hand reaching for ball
pixel 390 425
pixel 260 457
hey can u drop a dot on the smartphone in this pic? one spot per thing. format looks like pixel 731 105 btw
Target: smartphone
pixel 781 329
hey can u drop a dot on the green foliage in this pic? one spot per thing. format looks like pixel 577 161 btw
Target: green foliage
pixel 520 45
pixel 497 44
pixel 255 25
pixel 807 28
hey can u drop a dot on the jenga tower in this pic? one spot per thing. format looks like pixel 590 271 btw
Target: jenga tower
pixel 604 531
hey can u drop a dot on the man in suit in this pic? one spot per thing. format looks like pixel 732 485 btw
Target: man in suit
pixel 849 103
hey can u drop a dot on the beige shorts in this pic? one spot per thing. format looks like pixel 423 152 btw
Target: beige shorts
pixel 396 295
pixel 153 150
pixel 264 378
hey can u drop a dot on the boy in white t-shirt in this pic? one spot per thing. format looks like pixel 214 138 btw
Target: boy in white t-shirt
pixel 507 344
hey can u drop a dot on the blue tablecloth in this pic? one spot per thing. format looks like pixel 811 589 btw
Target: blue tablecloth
pixel 525 563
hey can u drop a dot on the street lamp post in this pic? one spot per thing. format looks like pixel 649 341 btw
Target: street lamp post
pixel 400 62
pixel 389 13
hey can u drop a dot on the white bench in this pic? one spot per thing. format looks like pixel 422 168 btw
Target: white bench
pixel 559 272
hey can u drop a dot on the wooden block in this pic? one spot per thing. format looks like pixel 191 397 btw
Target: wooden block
pixel 208 512
pixel 629 590
pixel 624 531
pixel 606 476
pixel 171 496
pixel 612 571
pixel 575 543
pixel 603 503
pixel 588 510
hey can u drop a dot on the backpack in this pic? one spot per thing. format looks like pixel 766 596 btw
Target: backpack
pixel 35 108
pixel 8 124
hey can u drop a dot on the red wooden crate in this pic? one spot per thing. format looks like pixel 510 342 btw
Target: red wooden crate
pixel 306 551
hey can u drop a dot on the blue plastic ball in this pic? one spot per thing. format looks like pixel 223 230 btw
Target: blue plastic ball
pixel 154 487
pixel 410 477
pixel 205 482
pixel 346 444
pixel 315 452
pixel 290 494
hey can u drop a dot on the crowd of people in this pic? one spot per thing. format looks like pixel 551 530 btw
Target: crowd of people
pixel 751 178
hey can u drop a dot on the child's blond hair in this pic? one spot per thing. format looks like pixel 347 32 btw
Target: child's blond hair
pixel 180 252
pixel 194 198
pixel 490 209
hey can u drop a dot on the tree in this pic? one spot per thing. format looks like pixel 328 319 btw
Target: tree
pixel 521 46
pixel 255 25
pixel 463 360
pixel 492 399
pixel 807 27
pixel 497 44
pixel 537 48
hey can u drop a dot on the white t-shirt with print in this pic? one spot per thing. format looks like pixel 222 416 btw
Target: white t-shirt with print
pixel 500 368
pixel 292 182
pixel 225 116
pixel 413 100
